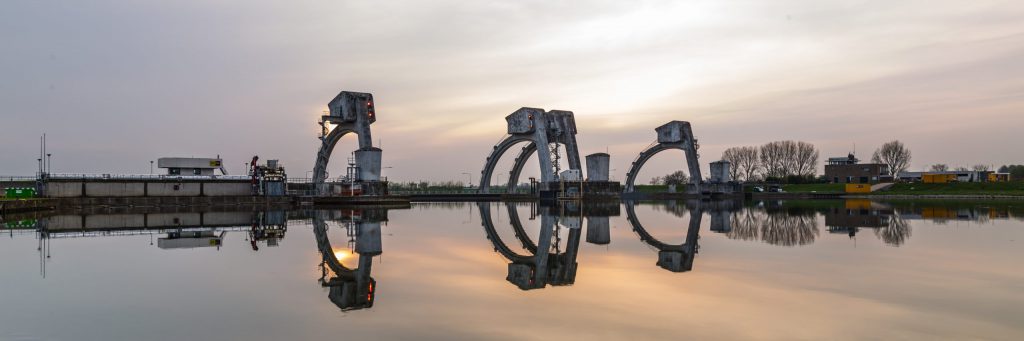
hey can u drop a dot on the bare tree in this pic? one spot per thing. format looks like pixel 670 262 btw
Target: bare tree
pixel 980 168
pixel 806 159
pixel 961 169
pixel 733 156
pixel 655 180
pixel 940 167
pixel 745 162
pixel 895 155
pixel 784 158
pixel 751 163
pixel 777 158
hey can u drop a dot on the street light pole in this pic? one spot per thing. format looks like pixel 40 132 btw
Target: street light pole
pixel 150 167
pixel 470 178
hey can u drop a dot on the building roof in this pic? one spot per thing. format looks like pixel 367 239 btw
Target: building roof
pixel 189 162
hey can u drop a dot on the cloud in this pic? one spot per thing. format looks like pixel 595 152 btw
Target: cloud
pixel 116 84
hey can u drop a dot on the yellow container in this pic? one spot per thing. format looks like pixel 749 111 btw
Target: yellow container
pixel 938 178
pixel 858 188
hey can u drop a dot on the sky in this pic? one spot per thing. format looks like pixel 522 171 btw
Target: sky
pixel 115 84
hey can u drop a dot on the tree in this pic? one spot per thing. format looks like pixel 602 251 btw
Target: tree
pixel 893 154
pixel 1016 171
pixel 751 163
pixel 980 168
pixel 732 155
pixel 744 163
pixel 781 159
pixel 940 167
pixel 777 158
pixel 961 169
pixel 655 180
pixel 677 178
pixel 806 159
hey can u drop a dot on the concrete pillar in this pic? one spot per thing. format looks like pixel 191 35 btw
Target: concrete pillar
pixel 540 137
pixel 598 231
pixel 368 160
pixel 720 171
pixel 368 240
pixel 720 221
pixel 598 167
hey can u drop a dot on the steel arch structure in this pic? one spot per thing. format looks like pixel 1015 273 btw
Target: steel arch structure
pixel 535 127
pixel 350 112
pixel 672 135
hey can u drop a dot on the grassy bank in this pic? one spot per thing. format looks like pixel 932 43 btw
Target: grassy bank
pixel 815 188
pixel 967 188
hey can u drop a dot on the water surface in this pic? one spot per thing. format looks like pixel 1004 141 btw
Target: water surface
pixel 661 270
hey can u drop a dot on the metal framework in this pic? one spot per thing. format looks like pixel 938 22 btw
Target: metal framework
pixel 535 127
pixel 672 135
pixel 350 112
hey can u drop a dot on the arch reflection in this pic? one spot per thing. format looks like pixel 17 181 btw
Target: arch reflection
pixel 350 288
pixel 671 257
pixel 544 263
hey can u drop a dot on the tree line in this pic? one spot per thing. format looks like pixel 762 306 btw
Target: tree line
pixel 789 161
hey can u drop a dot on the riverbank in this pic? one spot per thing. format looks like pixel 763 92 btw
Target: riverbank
pixel 971 190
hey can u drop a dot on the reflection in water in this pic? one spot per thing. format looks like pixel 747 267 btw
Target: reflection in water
pixel 775 225
pixel 889 225
pixel 672 257
pixel 350 289
pixel 546 264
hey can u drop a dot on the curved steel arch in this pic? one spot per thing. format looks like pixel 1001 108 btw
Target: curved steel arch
pixel 520 163
pixel 495 156
pixel 691 163
pixel 687 249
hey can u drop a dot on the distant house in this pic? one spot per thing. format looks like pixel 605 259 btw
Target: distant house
pixel 849 170
pixel 190 166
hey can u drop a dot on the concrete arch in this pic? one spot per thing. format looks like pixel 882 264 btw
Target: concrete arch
pixel 541 129
pixel 691 163
pixel 495 156
pixel 520 163
pixel 323 156
pixel 350 112
pixel 672 257
pixel 671 135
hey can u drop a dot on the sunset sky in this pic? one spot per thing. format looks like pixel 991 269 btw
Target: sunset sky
pixel 116 84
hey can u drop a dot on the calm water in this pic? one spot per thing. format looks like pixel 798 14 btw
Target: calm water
pixel 662 270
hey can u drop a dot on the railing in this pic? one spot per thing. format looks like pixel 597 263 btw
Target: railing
pixel 6 178
pixel 72 176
